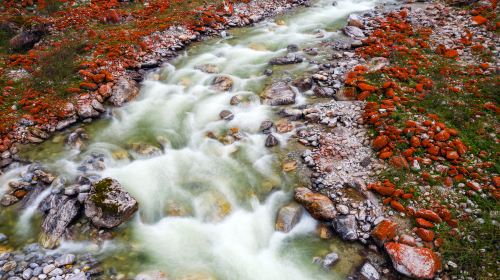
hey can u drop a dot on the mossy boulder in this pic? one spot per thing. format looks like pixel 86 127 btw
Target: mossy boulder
pixel 108 204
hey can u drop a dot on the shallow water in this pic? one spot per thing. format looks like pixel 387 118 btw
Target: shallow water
pixel 208 209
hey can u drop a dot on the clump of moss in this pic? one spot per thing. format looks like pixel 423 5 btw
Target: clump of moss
pixel 100 193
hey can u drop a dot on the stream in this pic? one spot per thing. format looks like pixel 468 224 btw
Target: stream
pixel 207 205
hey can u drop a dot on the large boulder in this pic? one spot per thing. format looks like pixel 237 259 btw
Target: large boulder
pixel 60 212
pixel 123 91
pixel 279 93
pixel 421 263
pixel 288 217
pixel 318 205
pixel 108 204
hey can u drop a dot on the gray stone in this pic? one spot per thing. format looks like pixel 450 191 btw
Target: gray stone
pixel 123 91
pixel 8 200
pixel 288 217
pixel 265 126
pixel 346 227
pixel 58 218
pixel 108 204
pixel 65 260
pixel 78 276
pixel 56 272
pixel 369 272
pixel 279 93
pixel 353 32
pixel 330 260
pixel 3 237
pixel 290 58
pixel 27 273
pixel 48 268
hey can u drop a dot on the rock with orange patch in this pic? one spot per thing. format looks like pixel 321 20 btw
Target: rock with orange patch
pixel 425 234
pixel 385 155
pixel 479 20
pixel 424 223
pixel 413 262
pixel 397 206
pixel 442 136
pixel 318 205
pixel 366 87
pixel 387 191
pixel 384 231
pixel 380 142
pixel 415 141
pixel 400 162
pixel 428 215
pixel 452 155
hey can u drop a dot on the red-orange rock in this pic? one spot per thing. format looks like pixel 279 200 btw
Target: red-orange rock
pixel 415 141
pixel 413 262
pixel 451 53
pixel 452 155
pixel 380 142
pixel 445 214
pixel 386 191
pixel 397 206
pixel 433 150
pixel 384 231
pixel 479 20
pixel 88 86
pixel 442 136
pixel 385 155
pixel 496 181
pixel 428 215
pixel 425 234
pixel 366 87
pixel 400 162
pixel 424 223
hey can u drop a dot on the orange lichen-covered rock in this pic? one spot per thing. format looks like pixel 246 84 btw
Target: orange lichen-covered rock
pixel 424 223
pixel 400 162
pixel 445 214
pixel 386 191
pixel 413 262
pixel 384 231
pixel 397 206
pixel 451 53
pixel 385 155
pixel 425 234
pixel 366 87
pixel 88 86
pixel 415 141
pixel 442 136
pixel 380 142
pixel 452 155
pixel 428 215
pixel 479 20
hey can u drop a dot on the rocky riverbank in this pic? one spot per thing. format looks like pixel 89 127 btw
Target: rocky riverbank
pixel 407 226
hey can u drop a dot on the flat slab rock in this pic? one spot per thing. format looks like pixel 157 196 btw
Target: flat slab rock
pixel 421 263
pixel 108 204
pixel 279 93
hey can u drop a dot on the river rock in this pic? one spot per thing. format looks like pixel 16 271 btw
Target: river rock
pixel 271 141
pixel 226 115
pixel 330 260
pixel 123 91
pixel 65 259
pixel 8 200
pixel 265 126
pixel 279 93
pixel 290 58
pixel 346 227
pixel 144 149
pixel 353 32
pixel 78 276
pixel 108 204
pixel 421 263
pixel 288 217
pixel 318 205
pixel 61 211
pixel 208 68
pixel 369 272
pixel 222 83
pixel 3 237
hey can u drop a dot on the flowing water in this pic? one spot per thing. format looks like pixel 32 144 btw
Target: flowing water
pixel 208 207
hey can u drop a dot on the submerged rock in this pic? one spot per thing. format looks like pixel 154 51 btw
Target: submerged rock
pixel 318 205
pixel 222 83
pixel 108 204
pixel 414 262
pixel 288 217
pixel 279 93
pixel 330 260
pixel 369 272
pixel 290 58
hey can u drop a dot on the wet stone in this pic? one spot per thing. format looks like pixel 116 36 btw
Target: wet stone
pixel 330 260
pixel 271 141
